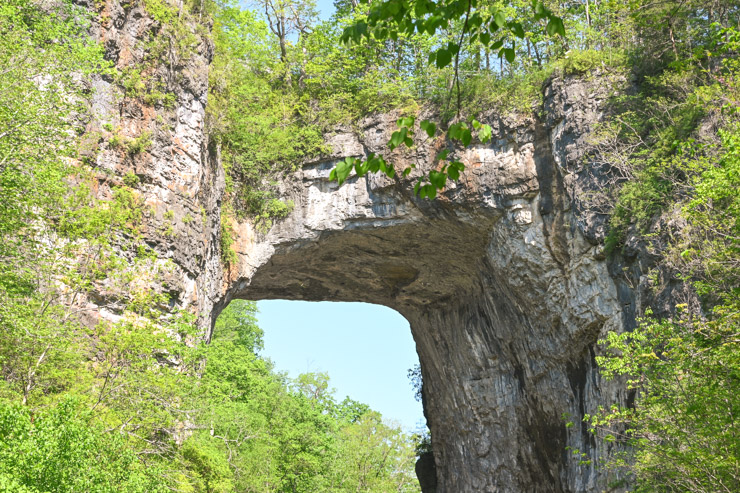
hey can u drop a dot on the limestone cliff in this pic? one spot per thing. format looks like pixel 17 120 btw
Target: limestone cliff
pixel 502 278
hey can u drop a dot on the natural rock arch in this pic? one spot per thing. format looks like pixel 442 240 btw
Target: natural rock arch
pixel 505 296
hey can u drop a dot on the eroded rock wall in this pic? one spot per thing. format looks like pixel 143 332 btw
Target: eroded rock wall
pixel 161 103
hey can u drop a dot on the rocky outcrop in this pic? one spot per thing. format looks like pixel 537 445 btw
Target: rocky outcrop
pixel 160 104
pixel 502 278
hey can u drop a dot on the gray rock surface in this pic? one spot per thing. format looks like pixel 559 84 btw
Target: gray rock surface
pixel 502 277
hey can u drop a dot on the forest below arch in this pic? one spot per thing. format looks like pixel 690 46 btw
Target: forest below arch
pixel 135 403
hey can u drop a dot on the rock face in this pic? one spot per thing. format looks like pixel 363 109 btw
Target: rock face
pixel 502 277
pixel 178 184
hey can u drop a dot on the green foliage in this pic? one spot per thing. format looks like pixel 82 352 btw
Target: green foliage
pixel 131 81
pixel 133 146
pixel 684 369
pixel 414 376
pixel 710 252
pixel 208 466
pixel 116 141
pixel 682 429
pixel 160 10
pixel 238 323
pixel 131 179
pixel 374 456
pixel 139 144
pixel 61 450
pixel 484 23
pixel 663 157
pixel 227 239
pixel 585 61
pixel 290 435
pixel 259 125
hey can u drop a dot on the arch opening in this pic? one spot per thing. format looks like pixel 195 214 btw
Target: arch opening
pixel 365 349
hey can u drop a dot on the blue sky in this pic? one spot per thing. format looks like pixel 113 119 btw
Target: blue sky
pixel 366 349
pixel 326 8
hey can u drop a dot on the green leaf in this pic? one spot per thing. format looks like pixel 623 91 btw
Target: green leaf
pixel 406 172
pixel 438 179
pixel 485 38
pixel 432 23
pixel 373 163
pixel 555 26
pixel 444 58
pixel 360 30
pixel 475 123
pixel 539 9
pixel 397 138
pixel 510 54
pixel 484 134
pixel 385 168
pixel 343 169
pixel 420 9
pixel 466 137
pixel 454 169
pixel 361 167
pixel 428 127
pixel 517 29
pixel 499 19
pixel 455 131
pixel 443 154
pixel 406 122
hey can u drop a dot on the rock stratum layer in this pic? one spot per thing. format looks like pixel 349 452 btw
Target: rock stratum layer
pixel 502 277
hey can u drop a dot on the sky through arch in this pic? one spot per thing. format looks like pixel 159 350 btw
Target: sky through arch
pixel 366 349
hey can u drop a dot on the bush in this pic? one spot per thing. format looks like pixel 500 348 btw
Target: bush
pixel 583 61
